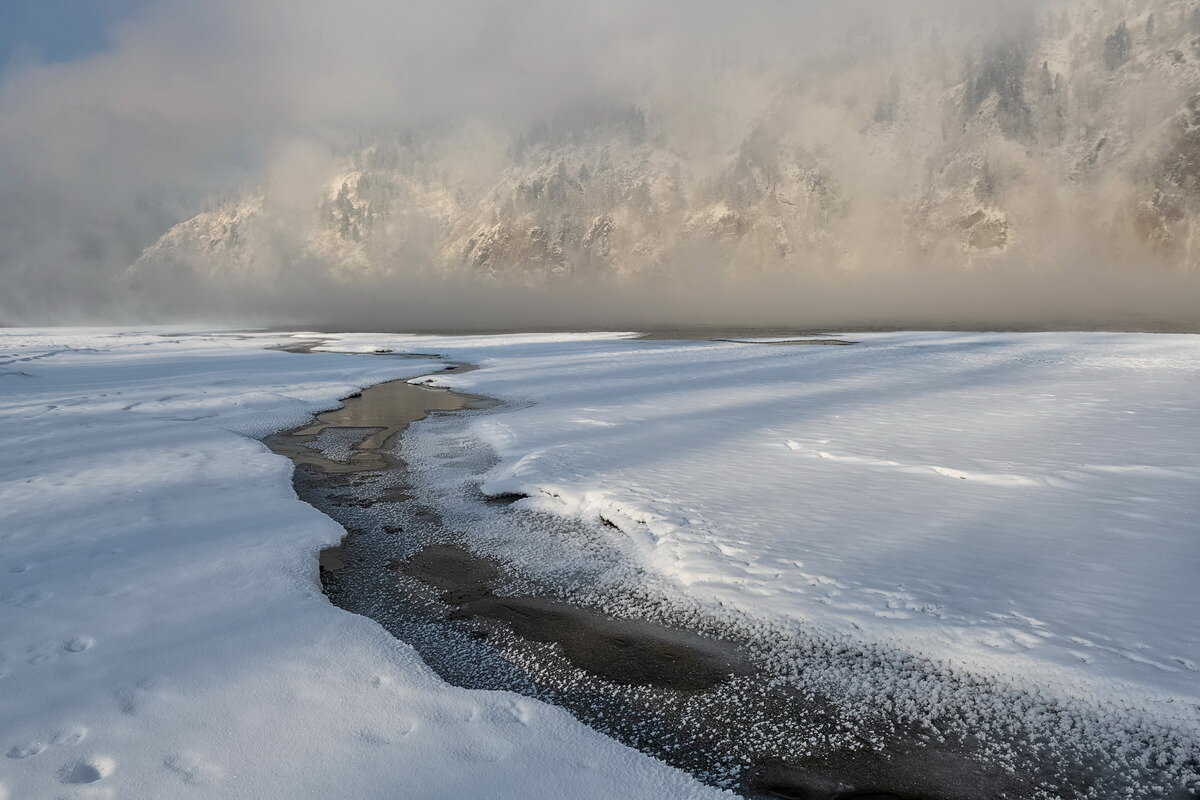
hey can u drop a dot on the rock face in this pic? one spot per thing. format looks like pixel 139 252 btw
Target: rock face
pixel 1072 128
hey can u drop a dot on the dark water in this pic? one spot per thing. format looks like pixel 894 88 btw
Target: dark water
pixel 367 424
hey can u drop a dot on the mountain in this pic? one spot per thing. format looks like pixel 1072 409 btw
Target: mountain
pixel 1070 131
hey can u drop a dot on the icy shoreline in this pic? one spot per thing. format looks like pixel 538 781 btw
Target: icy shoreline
pixel 934 694
pixel 1016 505
pixel 1041 449
pixel 876 702
pixel 164 630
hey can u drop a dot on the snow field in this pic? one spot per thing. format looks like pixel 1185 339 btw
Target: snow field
pixel 164 632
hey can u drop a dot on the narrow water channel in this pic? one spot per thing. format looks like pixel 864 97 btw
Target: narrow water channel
pixel 717 704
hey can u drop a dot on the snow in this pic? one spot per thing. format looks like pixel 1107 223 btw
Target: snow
pixel 163 629
pixel 1017 506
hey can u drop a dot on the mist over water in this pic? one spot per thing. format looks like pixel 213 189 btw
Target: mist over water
pixel 1086 298
pixel 810 164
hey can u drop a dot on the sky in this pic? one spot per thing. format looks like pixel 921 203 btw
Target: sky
pixel 59 30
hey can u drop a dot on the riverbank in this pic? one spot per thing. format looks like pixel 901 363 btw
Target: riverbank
pixel 989 740
pixel 165 632
pixel 936 510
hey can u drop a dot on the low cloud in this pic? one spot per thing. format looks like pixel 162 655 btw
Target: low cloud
pixel 195 102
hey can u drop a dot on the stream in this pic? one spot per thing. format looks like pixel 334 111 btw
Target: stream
pixel 736 706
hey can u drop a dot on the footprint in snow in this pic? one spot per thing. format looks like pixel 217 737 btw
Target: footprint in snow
pixel 69 736
pixel 25 749
pixel 87 771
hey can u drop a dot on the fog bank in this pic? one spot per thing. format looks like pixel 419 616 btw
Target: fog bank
pixel 618 164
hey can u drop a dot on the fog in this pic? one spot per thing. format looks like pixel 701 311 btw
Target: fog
pixel 195 103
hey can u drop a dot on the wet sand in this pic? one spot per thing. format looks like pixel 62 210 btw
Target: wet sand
pixel 626 651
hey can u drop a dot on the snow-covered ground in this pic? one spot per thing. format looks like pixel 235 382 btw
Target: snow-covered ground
pixel 162 628
pixel 1023 504
pixel 1016 505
